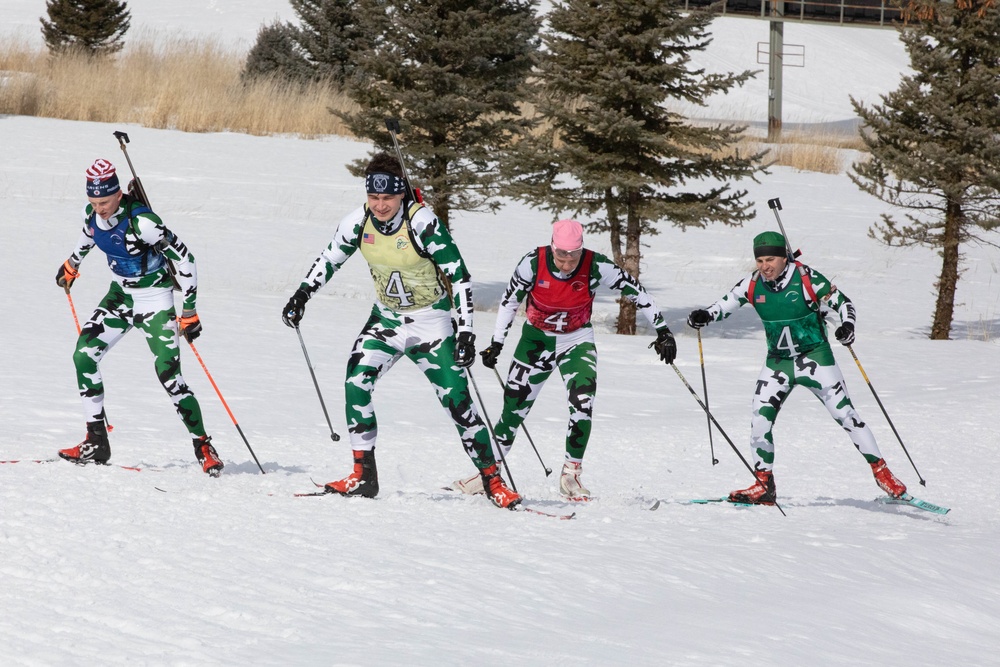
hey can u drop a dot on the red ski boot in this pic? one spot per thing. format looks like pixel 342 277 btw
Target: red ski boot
pixel 207 456
pixel 500 494
pixel 762 492
pixel 886 480
pixel 94 449
pixel 363 480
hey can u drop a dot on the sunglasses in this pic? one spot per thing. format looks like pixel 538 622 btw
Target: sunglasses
pixel 566 254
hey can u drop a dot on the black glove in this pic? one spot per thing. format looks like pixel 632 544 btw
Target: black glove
pixel 190 325
pixel 465 349
pixel 295 308
pixel 665 345
pixel 491 354
pixel 698 318
pixel 66 275
pixel 845 333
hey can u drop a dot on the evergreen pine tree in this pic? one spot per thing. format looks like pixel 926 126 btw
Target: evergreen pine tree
pixel 319 47
pixel 933 141
pixel 452 71
pixel 276 53
pixel 613 150
pixel 328 35
pixel 96 27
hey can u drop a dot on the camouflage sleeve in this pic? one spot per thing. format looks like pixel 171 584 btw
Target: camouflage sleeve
pixel 732 300
pixel 85 243
pixel 831 299
pixel 522 282
pixel 438 243
pixel 343 245
pixel 151 230
pixel 605 272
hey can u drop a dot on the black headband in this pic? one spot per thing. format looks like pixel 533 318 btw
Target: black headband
pixel 383 183
pixel 770 251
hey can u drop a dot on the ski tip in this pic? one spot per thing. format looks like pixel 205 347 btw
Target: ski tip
pixel 907 499
pixel 520 507
pixel 654 506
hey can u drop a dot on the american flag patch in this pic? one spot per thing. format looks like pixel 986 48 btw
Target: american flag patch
pixel 543 283
pixel 760 298
pixel 368 238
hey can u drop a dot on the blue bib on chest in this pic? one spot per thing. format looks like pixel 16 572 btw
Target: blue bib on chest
pixel 112 242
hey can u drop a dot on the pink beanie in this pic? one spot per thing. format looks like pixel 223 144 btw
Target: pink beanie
pixel 567 235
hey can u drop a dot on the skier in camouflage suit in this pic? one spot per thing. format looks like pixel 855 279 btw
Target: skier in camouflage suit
pixel 412 259
pixel 140 252
pixel 560 281
pixel 792 301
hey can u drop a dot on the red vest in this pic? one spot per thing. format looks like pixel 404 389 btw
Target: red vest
pixel 561 305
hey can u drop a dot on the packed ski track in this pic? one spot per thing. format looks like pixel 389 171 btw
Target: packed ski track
pixel 165 565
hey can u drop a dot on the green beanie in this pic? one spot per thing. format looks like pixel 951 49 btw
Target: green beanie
pixel 769 244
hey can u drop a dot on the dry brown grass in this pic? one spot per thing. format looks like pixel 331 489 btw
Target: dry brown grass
pixel 799 150
pixel 176 84
pixel 806 157
pixel 825 153
pixel 805 151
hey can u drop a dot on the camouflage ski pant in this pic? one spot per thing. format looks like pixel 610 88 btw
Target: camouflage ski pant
pixel 817 371
pixel 538 353
pixel 151 313
pixel 427 339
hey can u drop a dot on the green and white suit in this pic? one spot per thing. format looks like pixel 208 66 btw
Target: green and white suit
pixel 798 353
pixel 141 299
pixel 410 257
pixel 574 353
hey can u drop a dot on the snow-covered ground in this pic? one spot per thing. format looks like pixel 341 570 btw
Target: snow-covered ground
pixel 100 566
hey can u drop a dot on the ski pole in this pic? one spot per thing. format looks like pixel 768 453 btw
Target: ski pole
pixel 489 425
pixel 122 138
pixel 76 321
pixel 392 124
pixel 333 434
pixel 704 385
pixel 719 426
pixel 225 405
pixel 548 470
pixel 72 309
pixel 878 400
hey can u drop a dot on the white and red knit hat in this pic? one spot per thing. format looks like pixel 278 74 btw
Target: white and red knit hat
pixel 102 180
